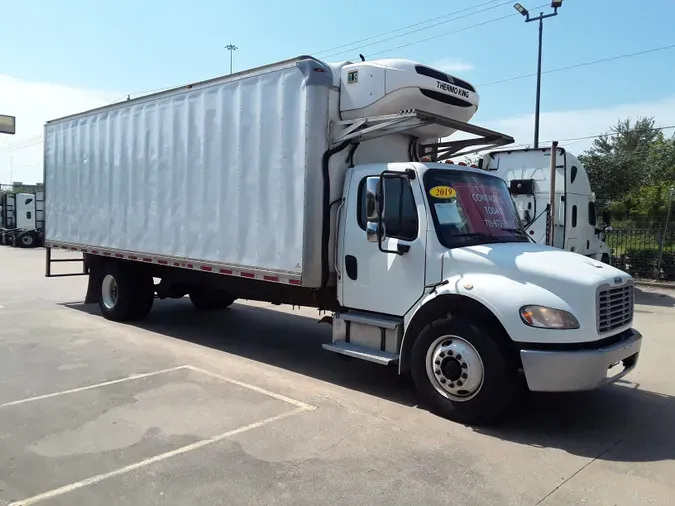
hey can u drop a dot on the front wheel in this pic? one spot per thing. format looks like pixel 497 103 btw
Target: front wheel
pixel 462 372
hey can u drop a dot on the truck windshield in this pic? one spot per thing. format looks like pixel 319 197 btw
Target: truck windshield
pixel 469 208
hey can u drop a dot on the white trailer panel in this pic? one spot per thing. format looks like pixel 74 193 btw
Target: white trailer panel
pixel 226 171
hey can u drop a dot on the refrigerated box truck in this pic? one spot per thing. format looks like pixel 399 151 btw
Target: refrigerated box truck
pixel 303 183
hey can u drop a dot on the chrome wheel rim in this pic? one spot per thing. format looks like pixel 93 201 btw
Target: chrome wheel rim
pixel 109 291
pixel 455 368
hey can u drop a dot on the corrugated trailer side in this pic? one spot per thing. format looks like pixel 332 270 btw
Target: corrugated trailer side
pixel 224 173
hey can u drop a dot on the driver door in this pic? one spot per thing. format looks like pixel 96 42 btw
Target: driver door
pixel 372 280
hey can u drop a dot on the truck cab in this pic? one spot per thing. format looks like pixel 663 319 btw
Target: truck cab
pixel 22 218
pixel 441 278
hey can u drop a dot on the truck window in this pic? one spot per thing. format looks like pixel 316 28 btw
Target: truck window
pixel 592 218
pixel 470 208
pixel 400 211
pixel 574 216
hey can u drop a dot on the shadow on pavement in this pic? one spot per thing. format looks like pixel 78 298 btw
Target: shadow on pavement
pixel 285 340
pixel 649 298
pixel 618 422
pixel 588 424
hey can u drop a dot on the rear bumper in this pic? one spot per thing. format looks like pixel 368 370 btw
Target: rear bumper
pixel 571 371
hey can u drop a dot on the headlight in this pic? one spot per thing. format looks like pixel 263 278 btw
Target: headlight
pixel 548 318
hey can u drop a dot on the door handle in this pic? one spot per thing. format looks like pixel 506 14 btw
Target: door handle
pixel 352 267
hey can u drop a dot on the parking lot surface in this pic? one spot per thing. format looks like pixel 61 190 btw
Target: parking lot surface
pixel 243 406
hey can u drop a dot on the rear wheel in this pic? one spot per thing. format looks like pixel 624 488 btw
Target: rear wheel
pixel 125 294
pixel 462 371
pixel 207 300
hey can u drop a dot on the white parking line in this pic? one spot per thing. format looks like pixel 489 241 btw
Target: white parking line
pixel 132 467
pixel 89 387
pixel 299 404
pixel 300 407
pixel 288 400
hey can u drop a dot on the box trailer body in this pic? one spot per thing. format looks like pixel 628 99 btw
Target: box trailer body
pixel 320 184
pixel 227 174
pixel 528 174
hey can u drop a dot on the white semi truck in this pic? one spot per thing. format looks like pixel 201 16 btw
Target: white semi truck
pixel 21 219
pixel 575 223
pixel 302 183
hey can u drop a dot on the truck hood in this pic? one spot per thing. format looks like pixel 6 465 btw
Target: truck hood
pixel 530 263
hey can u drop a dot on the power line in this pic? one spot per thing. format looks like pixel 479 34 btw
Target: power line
pixel 582 64
pixel 25 143
pixel 405 27
pixel 452 31
pixel 145 92
pixel 588 137
pixel 417 29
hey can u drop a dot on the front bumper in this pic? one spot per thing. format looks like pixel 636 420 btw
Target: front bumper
pixel 571 371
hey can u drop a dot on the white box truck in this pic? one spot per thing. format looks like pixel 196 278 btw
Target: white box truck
pixel 302 183
pixel 528 173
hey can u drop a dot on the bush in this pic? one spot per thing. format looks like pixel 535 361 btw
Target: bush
pixel 642 263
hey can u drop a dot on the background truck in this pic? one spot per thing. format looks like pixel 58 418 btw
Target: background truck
pixel 528 174
pixel 22 219
pixel 301 183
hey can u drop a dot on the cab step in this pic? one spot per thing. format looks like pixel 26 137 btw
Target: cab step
pixel 362 352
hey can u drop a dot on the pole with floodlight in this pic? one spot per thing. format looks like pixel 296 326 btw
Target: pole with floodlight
pixel 555 5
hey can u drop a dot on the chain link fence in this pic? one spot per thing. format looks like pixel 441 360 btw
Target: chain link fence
pixel 644 253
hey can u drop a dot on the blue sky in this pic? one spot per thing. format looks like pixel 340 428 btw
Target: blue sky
pixel 128 47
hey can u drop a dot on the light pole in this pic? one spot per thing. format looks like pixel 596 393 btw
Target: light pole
pixel 231 48
pixel 555 4
pixel 664 237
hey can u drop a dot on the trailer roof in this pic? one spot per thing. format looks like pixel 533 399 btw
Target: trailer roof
pixel 199 84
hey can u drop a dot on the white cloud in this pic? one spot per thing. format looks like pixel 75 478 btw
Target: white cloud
pixel 33 104
pixel 452 65
pixel 573 124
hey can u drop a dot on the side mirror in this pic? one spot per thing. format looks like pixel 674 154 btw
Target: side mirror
pixel 372 201
pixel 374 233
pixel 607 217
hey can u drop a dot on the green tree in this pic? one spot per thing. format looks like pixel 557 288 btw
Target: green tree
pixel 632 170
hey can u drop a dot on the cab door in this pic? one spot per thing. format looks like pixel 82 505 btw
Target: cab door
pixel 372 280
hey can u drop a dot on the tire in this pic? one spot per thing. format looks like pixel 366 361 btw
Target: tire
pixel 605 258
pixel 26 240
pixel 462 373
pixel 209 300
pixel 125 295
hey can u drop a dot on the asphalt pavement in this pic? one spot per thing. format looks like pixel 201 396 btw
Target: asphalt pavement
pixel 243 406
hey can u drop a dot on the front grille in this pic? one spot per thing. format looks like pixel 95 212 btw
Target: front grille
pixel 615 307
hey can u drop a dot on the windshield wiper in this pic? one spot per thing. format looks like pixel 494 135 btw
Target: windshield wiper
pixel 479 234
pixel 519 232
